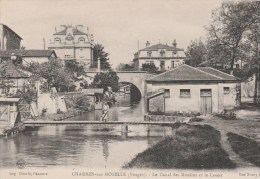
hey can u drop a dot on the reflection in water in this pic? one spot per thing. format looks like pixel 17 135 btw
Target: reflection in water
pixel 88 146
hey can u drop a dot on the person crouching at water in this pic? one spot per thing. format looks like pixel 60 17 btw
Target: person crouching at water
pixel 105 109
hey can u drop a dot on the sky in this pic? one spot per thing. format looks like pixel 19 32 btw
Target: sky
pixel 116 24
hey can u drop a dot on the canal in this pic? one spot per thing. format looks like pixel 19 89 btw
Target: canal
pixel 86 146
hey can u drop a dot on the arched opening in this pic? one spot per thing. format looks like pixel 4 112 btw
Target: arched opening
pixel 129 89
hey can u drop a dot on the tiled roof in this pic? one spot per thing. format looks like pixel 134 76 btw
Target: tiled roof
pixel 8 69
pixel 188 73
pixel 217 73
pixel 161 46
pixel 27 53
pixel 74 30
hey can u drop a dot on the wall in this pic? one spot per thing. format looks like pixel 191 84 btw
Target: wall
pixel 156 104
pixel 45 101
pixel 192 104
pixel 28 60
pixel 227 100
pixel 8 39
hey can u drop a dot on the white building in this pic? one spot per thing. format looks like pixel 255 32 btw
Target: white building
pixel 73 43
pixel 188 89
pixel 164 57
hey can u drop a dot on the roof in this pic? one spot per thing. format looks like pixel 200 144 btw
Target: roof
pixel 11 30
pixel 74 30
pixel 187 73
pixel 161 46
pixel 9 99
pixel 27 53
pixel 8 69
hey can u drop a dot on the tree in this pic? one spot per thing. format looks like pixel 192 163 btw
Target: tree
pixel 74 68
pixel 54 73
pixel 125 67
pixel 149 67
pixel 104 80
pixel 229 26
pixel 196 53
pixel 99 53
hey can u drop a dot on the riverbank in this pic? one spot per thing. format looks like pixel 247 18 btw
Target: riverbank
pixel 60 116
pixel 192 147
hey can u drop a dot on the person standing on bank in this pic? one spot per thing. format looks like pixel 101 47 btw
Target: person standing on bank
pixel 105 109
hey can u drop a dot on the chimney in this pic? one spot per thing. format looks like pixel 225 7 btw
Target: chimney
pixel 63 27
pixel 174 44
pixel 79 27
pixel 147 44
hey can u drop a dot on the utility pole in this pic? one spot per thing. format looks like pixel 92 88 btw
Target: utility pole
pixel 43 43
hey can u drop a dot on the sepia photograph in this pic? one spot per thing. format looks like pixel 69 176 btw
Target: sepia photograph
pixel 129 89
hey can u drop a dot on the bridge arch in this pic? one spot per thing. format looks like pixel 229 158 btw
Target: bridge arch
pixel 137 78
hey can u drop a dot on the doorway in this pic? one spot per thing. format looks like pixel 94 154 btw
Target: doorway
pixel 205 101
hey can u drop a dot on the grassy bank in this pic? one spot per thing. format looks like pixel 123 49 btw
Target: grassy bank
pixel 246 148
pixel 193 147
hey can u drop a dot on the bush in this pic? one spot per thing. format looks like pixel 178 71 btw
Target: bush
pixel 193 147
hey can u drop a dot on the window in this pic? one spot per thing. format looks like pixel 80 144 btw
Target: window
pixel 172 64
pixel 81 40
pixel 162 65
pixel 166 93
pixel 57 40
pixel 185 93
pixel 149 54
pixel 205 92
pixel 162 52
pixel 174 53
pixel 226 90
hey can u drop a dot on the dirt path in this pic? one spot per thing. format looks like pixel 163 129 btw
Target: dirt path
pixel 240 127
pixel 233 156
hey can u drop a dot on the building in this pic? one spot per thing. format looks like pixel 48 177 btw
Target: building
pixel 189 89
pixel 26 57
pixel 164 57
pixel 72 43
pixel 11 79
pixel 8 38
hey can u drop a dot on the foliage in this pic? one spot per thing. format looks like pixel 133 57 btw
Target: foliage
pixel 27 94
pixel 74 68
pixel 54 73
pixel 228 31
pixel 192 147
pixel 149 67
pixel 196 53
pixel 246 148
pixel 104 80
pixel 99 53
pixel 125 67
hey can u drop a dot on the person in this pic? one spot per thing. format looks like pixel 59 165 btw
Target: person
pixel 105 109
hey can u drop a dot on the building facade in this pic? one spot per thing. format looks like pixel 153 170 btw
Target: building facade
pixel 72 43
pixel 26 57
pixel 188 89
pixel 164 57
pixel 9 39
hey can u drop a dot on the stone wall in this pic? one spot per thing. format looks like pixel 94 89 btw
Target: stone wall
pixel 156 104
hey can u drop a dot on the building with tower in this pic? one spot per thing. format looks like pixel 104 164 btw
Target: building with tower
pixel 71 43
pixel 163 56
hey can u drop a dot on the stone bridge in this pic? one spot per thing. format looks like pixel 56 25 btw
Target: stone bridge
pixel 136 78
